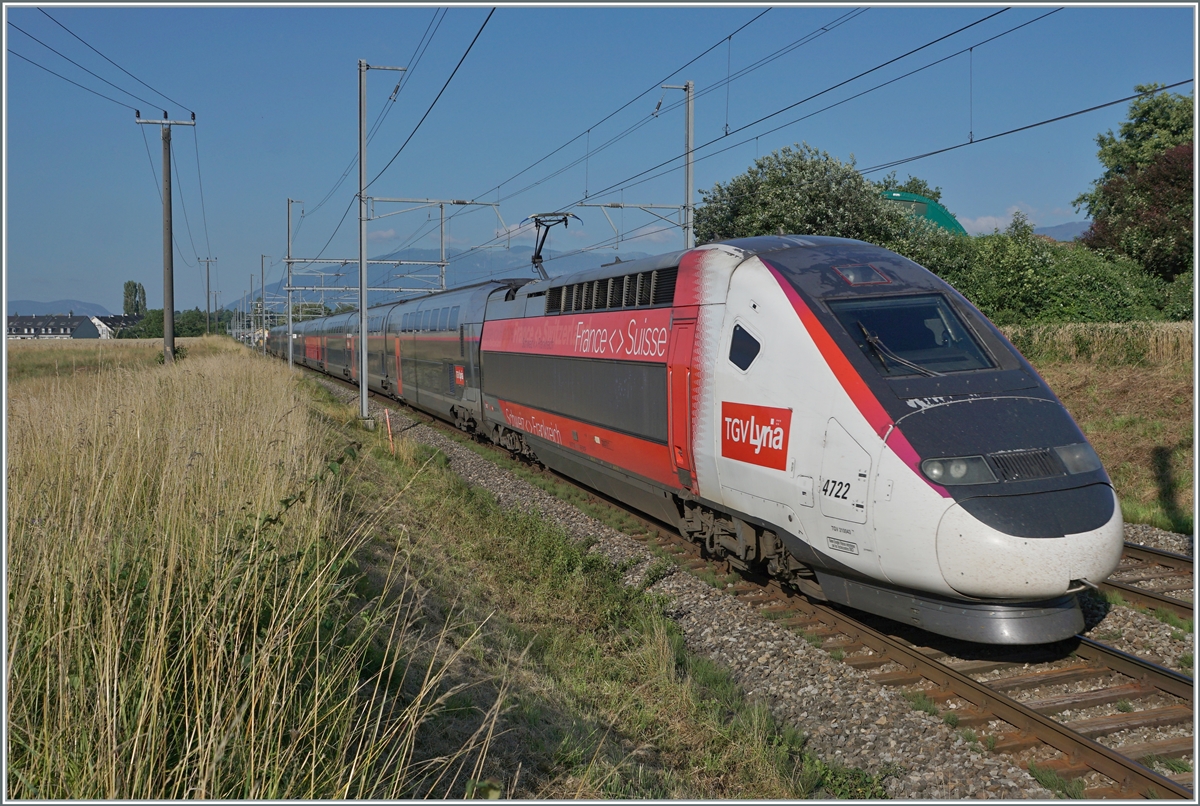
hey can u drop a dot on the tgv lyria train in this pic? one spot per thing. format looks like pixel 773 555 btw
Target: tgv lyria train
pixel 820 408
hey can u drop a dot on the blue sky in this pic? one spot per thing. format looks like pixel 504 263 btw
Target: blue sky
pixel 275 94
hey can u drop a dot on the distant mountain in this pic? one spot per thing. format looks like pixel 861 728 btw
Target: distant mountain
pixel 474 267
pixel 28 307
pixel 1064 232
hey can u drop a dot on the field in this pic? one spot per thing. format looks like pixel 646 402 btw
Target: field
pixel 221 588
pixel 1130 388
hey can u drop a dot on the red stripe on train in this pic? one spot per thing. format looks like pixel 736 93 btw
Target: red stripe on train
pixel 866 402
pixel 640 456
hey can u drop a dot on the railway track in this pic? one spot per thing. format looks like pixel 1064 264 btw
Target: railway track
pixel 1017 702
pixel 1169 572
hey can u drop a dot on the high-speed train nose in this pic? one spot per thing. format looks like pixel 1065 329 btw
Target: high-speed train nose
pixel 985 549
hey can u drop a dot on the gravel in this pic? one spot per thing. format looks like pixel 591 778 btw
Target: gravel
pixel 848 719
pixel 1156 538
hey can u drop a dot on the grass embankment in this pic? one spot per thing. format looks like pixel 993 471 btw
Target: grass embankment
pixel 42 358
pixel 212 594
pixel 604 701
pixel 182 620
pixel 1130 388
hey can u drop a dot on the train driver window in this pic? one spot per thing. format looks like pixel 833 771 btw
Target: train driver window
pixel 743 348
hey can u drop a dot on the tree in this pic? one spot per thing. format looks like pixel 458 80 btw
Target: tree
pixel 802 191
pixel 135 299
pixel 912 185
pixel 1146 214
pixel 1156 123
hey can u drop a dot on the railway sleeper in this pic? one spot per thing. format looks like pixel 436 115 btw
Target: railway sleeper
pixel 1090 699
pixel 1150 718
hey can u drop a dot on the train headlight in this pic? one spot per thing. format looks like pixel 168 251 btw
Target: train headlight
pixel 959 470
pixel 1079 458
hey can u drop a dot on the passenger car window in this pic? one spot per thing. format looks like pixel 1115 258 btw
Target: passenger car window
pixel 743 348
pixel 443 319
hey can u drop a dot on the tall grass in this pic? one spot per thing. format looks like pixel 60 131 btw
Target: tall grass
pixel 41 358
pixel 1150 343
pixel 182 613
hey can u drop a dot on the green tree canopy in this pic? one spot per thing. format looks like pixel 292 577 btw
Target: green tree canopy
pixel 135 299
pixel 1156 123
pixel 912 185
pixel 801 191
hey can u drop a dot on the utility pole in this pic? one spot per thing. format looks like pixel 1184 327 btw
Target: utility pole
pixel 689 234
pixel 363 67
pixel 168 240
pixel 290 202
pixel 207 295
pixel 251 301
pixel 262 267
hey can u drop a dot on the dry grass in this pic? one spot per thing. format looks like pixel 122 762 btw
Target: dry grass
pixel 1146 343
pixel 1139 419
pixel 41 358
pixel 184 619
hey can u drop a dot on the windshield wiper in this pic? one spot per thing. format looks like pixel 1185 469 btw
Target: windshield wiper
pixel 882 349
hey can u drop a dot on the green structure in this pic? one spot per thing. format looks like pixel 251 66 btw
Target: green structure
pixel 926 208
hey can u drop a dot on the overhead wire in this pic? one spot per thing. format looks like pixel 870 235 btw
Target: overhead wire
pixel 421 232
pixel 844 100
pixel 626 182
pixel 414 60
pixel 114 64
pixel 158 189
pixel 200 181
pixel 150 104
pixel 435 100
pixel 69 81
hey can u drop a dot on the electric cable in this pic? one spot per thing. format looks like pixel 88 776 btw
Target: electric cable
pixel 625 182
pixel 114 64
pixel 435 100
pixel 203 212
pixel 844 100
pixel 81 67
pixel 69 81
pixel 158 188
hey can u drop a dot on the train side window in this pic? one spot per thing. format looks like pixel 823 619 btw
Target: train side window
pixel 743 348
pixel 425 319
pixel 404 320
pixel 453 318
pixel 443 319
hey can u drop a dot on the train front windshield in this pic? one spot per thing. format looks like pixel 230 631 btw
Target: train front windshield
pixel 911 335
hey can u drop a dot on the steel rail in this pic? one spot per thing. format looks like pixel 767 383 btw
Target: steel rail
pixel 1153 599
pixel 1129 775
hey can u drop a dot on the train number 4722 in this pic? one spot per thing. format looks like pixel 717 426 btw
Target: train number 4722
pixel 836 489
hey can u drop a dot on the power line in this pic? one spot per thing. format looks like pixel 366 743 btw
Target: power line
pixel 435 100
pixel 428 228
pixel 114 64
pixel 158 188
pixel 625 182
pixel 848 99
pixel 69 81
pixel 414 60
pixel 884 166
pixel 187 223
pixel 203 212
pixel 805 100
pixel 80 66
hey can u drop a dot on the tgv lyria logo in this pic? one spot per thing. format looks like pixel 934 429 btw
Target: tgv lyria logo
pixel 755 434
